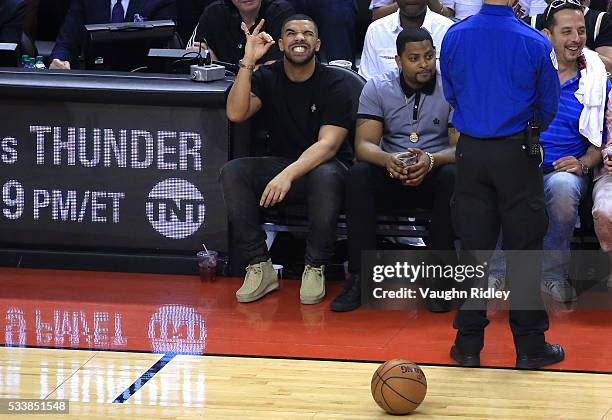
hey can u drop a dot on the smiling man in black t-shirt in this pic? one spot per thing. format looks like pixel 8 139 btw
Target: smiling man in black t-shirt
pixel 308 112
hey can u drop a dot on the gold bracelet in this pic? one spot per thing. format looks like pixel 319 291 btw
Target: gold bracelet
pixel 431 161
pixel 246 66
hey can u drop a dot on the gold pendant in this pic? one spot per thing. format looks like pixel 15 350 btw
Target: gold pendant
pixel 414 137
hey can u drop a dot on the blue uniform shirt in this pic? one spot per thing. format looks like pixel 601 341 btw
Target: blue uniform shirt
pixel 497 74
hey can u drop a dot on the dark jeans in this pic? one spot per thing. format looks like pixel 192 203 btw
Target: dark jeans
pixel 336 21
pixel 243 182
pixel 369 189
pixel 498 185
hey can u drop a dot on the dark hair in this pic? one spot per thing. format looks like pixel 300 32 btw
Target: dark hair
pixel 299 16
pixel 411 35
pixel 556 6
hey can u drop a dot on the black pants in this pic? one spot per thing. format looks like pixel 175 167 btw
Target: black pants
pixel 499 185
pixel 369 189
pixel 243 182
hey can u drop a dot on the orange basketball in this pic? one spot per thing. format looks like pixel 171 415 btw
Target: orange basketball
pixel 399 386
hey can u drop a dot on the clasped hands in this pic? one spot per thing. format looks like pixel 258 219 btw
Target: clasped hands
pixel 412 175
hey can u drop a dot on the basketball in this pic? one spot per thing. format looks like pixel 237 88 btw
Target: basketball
pixel 399 386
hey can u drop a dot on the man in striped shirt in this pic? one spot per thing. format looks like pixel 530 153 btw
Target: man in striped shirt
pixel 568 154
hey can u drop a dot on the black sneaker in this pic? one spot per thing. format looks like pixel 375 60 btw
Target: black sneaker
pixel 349 298
pixel 439 305
pixel 465 359
pixel 552 353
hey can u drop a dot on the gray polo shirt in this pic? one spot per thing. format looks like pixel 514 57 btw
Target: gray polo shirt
pixel 384 100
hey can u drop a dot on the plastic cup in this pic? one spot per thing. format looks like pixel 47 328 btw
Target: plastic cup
pixel 341 63
pixel 207 263
pixel 407 159
pixel 279 270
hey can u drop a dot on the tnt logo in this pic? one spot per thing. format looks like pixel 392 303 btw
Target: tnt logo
pixel 175 208
pixel 177 329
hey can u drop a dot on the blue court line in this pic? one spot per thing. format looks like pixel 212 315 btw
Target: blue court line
pixel 144 378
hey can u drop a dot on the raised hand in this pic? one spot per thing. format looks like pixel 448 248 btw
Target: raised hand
pixel 257 43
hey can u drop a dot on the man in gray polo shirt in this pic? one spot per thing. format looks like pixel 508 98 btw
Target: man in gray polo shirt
pixel 402 112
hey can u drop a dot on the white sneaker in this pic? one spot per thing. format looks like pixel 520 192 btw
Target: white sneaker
pixel 561 290
pixel 260 279
pixel 312 289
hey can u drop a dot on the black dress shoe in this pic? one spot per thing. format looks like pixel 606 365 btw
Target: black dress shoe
pixel 552 353
pixel 465 359
pixel 349 298
pixel 439 305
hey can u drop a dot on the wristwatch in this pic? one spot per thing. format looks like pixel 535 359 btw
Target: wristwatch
pixel 585 169
pixel 246 66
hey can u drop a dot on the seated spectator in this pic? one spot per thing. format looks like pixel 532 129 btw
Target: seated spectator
pixel 379 52
pixel 82 12
pixel 188 13
pixel 402 112
pixel 220 27
pixel 308 111
pixel 598 30
pixel 602 195
pixel 382 8
pixel 569 152
pixel 336 21
pixel 457 9
pixel 12 13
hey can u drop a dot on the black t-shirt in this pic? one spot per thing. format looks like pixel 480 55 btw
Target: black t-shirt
pixel 294 112
pixel 220 26
pixel 604 38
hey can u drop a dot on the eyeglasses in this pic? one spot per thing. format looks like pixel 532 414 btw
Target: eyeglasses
pixel 558 3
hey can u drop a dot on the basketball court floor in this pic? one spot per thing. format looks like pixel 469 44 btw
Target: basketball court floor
pixel 148 346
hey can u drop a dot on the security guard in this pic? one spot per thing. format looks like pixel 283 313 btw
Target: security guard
pixel 499 75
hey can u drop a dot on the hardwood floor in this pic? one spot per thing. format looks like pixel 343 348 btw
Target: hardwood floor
pixel 216 387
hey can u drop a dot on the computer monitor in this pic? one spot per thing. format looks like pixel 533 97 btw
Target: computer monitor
pixel 124 46
pixel 9 55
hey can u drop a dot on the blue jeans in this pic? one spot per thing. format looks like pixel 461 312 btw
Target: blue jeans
pixel 563 192
pixel 336 21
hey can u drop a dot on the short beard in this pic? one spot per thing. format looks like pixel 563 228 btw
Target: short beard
pixel 415 17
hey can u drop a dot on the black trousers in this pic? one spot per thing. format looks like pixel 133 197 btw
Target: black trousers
pixel 499 185
pixel 243 182
pixel 369 189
